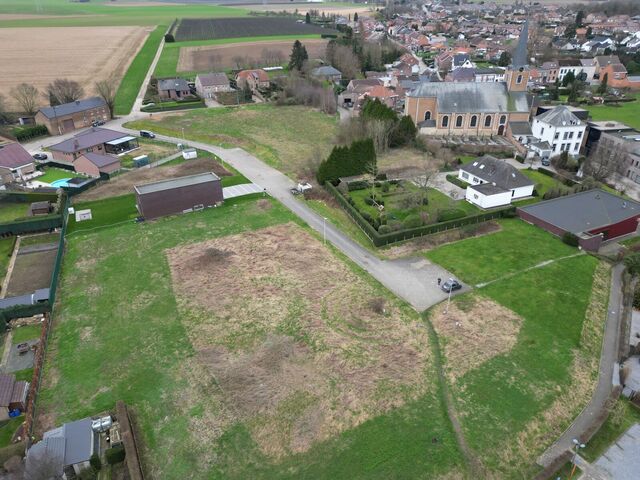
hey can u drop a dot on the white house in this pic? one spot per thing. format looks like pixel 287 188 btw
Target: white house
pixel 493 182
pixel 561 129
pixel 584 67
pixel 462 60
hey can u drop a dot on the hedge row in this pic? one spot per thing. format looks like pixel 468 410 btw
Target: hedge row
pixel 29 132
pixel 457 182
pixel 567 181
pixel 38 224
pixel 23 197
pixel 380 240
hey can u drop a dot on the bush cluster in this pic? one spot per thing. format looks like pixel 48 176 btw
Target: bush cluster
pixel 347 161
pixel 115 455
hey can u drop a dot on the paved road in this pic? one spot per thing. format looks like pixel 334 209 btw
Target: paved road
pixel 608 358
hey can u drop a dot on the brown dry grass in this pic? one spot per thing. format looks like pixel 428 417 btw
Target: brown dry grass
pixel 293 337
pixel 201 59
pixel 405 161
pixel 31 271
pixel 85 54
pixel 474 330
pixel 584 375
pixel 123 184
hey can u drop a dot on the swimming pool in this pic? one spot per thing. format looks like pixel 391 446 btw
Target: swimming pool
pixel 63 182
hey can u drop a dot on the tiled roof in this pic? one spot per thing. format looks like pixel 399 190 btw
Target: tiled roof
pixel 14 155
pixel 90 138
pixel 73 107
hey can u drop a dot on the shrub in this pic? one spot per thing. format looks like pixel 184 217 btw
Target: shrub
pixel 450 214
pixel 520 158
pixel 377 305
pixel 636 297
pixel 169 38
pixel 412 221
pixel 357 185
pixel 381 176
pixel 456 181
pixel 95 462
pixel 368 200
pixel 28 132
pixel 115 455
pixel 385 187
pixel 632 262
pixel 570 239
pixel 546 172
pixel 382 229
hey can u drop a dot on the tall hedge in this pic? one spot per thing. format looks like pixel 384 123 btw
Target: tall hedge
pixel 347 161
pixel 376 110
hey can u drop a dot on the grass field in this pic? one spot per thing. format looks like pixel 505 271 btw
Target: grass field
pixel 283 137
pixel 543 183
pixel 168 64
pixel 132 80
pixel 8 428
pixel 626 113
pixel 522 374
pixel 478 260
pixel 24 333
pixel 105 212
pixel 6 248
pixel 158 350
pixel 52 174
pixel 9 211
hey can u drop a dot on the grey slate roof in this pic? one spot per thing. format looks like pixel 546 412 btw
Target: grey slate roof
pixel 176 183
pixel 90 138
pixel 559 116
pixel 473 97
pixel 487 189
pixel 47 450
pixel 14 155
pixel 78 438
pixel 73 107
pixel 326 70
pixel 100 160
pixel 460 58
pixel 213 79
pixel 173 84
pixel 584 211
pixel 498 172
pixel 520 128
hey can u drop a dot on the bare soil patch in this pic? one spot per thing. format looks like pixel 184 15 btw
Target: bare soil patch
pixel 123 184
pixel 31 271
pixel 85 54
pixel 474 330
pixel 404 162
pixel 220 57
pixel 299 345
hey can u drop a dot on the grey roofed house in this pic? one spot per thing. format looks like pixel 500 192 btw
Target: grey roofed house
pixel 569 62
pixel 325 71
pixel 213 79
pixel 73 107
pixel 584 211
pixel 459 59
pixel 473 97
pixel 90 138
pixel 13 155
pixel 100 160
pixel 498 172
pixel 173 84
pixel 175 183
pixel 487 189
pixel 520 128
pixel 463 75
pixel 559 116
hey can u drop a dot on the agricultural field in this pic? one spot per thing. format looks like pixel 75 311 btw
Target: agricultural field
pixel 520 355
pixel 223 57
pixel 317 373
pixel 85 54
pixel 329 8
pixel 283 137
pixel 195 29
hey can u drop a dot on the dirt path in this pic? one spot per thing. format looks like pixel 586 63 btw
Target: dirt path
pixel 12 263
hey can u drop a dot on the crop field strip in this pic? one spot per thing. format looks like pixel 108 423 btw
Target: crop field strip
pixel 190 29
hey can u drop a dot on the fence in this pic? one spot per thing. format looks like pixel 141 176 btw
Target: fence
pixel 380 240
pixel 129 440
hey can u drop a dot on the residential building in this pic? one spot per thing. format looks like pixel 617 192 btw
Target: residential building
pixel 493 182
pixel 15 163
pixel 173 88
pixel 70 116
pixel 208 84
pixel 94 164
pixel 95 140
pixel 462 60
pixel 327 72
pixel 549 72
pixel 596 129
pixel 622 149
pixel 561 129
pixel 255 79
pixel 576 67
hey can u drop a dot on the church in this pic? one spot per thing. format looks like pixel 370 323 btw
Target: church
pixel 472 108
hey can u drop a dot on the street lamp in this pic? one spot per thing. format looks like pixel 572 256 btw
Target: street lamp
pixel 577 446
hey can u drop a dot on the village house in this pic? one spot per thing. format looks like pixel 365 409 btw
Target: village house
pixel 70 116
pixel 254 79
pixel 561 129
pixel 327 72
pixel 173 88
pixel 95 140
pixel 15 163
pixel 94 164
pixel 208 84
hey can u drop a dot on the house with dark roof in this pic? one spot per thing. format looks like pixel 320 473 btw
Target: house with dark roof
pixel 71 116
pixel 94 164
pixel 208 84
pixel 95 140
pixel 173 88
pixel 68 448
pixel 327 72
pixel 593 216
pixel 15 163
pixel 561 129
pixel 493 182
pixel 13 395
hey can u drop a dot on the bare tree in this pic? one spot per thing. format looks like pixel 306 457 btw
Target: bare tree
pixel 379 131
pixel 106 89
pixel 346 61
pixel 604 162
pixel 63 90
pixel 214 61
pixel 238 60
pixel 423 177
pixel 27 97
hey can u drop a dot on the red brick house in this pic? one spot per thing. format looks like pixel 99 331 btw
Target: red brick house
pixel 71 116
pixel 95 140
pixel 256 79
pixel 617 76
pixel 93 164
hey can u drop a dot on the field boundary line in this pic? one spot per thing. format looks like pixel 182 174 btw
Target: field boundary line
pixel 12 264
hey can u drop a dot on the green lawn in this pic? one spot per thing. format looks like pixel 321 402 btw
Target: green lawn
pixel 340 219
pixel 9 211
pixel 8 428
pixel 622 416
pixel 283 137
pixel 543 182
pixel 52 174
pixel 118 304
pixel 104 12
pixel 132 80
pixel 168 64
pixel 626 113
pixel 26 374
pixel 6 249
pixel 24 333
pixel 109 211
pixel 516 247
pixel 39 239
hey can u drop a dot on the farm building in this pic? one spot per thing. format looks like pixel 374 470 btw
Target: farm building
pixel 173 88
pixel 95 140
pixel 178 195
pixel 15 163
pixel 493 182
pixel 71 116
pixel 13 395
pixel 209 84
pixel 594 216
pixel 327 72
pixel 93 164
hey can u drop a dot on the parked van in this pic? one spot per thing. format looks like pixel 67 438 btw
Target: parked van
pixel 147 134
